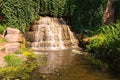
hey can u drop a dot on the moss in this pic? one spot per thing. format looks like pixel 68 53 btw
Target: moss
pixel 12 60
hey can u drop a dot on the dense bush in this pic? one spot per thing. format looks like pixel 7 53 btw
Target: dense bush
pixel 56 7
pixel 105 45
pixel 19 13
pixel 26 52
pixel 80 13
pixel 88 14
pixel 21 72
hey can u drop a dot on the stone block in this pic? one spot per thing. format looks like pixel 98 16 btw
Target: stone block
pixel 14 37
pixel 11 47
pixel 12 31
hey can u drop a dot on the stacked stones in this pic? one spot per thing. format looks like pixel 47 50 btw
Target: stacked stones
pixel 14 38
pixel 49 33
pixel 30 35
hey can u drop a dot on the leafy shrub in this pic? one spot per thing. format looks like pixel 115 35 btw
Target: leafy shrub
pixel 80 13
pixel 96 42
pixel 107 48
pixel 21 50
pixel 87 14
pixel 56 7
pixel 12 60
pixel 26 52
pixel 2 29
pixel 21 72
pixel 19 13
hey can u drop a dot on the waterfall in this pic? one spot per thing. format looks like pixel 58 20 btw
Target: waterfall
pixel 52 34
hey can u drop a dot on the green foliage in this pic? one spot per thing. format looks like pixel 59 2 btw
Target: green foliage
pixel 21 72
pixel 19 13
pixel 21 50
pixel 26 52
pixel 106 45
pixel 88 13
pixel 2 29
pixel 81 14
pixel 56 7
pixel 12 60
pixel 96 42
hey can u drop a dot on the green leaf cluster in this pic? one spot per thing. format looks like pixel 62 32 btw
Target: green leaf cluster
pixel 57 8
pixel 105 45
pixel 19 13
pixel 2 29
pixel 21 72
pixel 88 14
pixel 12 60
pixel 81 14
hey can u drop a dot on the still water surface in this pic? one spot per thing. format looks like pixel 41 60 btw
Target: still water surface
pixel 68 65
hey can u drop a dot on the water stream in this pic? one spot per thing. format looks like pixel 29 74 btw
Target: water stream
pixel 53 45
pixel 68 65
pixel 53 34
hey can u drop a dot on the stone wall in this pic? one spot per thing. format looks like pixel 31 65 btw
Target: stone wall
pixel 13 39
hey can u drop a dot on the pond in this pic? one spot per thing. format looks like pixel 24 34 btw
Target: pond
pixel 67 65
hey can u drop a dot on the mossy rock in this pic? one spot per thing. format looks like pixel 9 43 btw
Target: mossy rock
pixel 28 44
pixel 30 36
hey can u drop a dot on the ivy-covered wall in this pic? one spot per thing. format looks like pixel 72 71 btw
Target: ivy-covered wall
pixel 18 13
pixel 81 14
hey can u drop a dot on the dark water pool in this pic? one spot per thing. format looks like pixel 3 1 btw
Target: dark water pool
pixel 67 65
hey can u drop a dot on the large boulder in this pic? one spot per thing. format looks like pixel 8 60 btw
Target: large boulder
pixel 11 47
pixel 12 31
pixel 14 37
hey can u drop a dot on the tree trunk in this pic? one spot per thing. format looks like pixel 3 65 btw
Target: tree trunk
pixel 109 13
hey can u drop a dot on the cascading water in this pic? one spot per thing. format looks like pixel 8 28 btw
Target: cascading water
pixel 53 34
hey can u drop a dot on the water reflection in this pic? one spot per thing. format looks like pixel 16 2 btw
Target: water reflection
pixel 68 65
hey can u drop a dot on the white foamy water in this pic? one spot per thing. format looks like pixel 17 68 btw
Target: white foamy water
pixel 53 34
